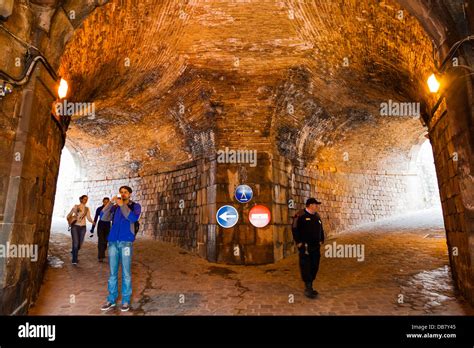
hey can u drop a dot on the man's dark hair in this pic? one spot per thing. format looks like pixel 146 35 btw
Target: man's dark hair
pixel 106 198
pixel 128 188
pixel 80 198
pixel 312 201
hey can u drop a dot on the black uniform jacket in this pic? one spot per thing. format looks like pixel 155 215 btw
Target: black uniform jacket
pixel 309 230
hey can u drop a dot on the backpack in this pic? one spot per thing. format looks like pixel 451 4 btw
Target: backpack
pixel 136 224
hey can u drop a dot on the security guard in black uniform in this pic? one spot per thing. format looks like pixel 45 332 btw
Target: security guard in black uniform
pixel 308 235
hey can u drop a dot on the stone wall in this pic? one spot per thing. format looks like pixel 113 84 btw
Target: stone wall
pixel 31 140
pixel 244 243
pixel 452 130
pixel 349 199
pixel 32 164
pixel 8 124
pixel 243 97
pixel 452 133
pixel 175 204
pixel 203 186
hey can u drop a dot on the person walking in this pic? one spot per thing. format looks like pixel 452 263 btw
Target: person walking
pixel 103 229
pixel 77 222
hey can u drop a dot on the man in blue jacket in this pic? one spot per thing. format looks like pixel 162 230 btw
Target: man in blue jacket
pixel 124 214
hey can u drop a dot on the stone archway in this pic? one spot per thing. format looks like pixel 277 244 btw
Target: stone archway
pixel 202 89
pixel 451 127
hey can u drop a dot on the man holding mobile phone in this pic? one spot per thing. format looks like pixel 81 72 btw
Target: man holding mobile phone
pixel 124 214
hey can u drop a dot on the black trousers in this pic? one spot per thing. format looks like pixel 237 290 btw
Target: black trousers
pixel 77 236
pixel 309 264
pixel 103 229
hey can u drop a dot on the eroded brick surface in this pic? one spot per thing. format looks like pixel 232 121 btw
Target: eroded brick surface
pixel 301 82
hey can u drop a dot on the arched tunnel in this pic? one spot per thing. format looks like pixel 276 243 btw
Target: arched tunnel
pixel 330 96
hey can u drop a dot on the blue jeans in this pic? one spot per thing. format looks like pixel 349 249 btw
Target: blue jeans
pixel 120 253
pixel 77 236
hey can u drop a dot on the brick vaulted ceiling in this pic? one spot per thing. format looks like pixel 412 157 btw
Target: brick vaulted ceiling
pixel 265 75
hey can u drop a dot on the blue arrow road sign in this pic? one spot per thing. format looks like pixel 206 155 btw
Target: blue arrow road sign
pixel 227 216
pixel 243 193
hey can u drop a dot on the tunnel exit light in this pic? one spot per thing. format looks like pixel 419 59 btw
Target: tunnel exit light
pixel 433 83
pixel 62 89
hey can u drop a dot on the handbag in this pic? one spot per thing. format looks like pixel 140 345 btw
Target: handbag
pixel 72 219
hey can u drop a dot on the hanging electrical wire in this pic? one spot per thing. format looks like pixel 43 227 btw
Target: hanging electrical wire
pixel 33 57
pixel 453 50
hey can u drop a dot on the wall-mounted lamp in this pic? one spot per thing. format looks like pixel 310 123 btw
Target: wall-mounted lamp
pixel 62 89
pixel 62 93
pixel 433 84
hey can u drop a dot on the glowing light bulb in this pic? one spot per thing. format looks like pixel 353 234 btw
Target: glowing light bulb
pixel 433 84
pixel 62 89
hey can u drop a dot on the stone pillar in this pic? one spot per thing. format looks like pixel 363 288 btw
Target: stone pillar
pixel 206 209
pixel 31 186
pixel 31 143
pixel 289 195
pixel 244 243
pixel 452 133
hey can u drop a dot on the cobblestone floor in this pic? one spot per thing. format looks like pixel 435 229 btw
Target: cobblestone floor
pixel 405 261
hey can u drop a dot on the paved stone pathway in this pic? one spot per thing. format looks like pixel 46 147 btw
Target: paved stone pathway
pixel 405 272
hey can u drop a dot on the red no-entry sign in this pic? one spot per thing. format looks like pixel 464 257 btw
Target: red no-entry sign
pixel 259 216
